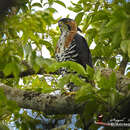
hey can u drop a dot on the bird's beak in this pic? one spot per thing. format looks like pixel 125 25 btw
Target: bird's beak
pixel 78 29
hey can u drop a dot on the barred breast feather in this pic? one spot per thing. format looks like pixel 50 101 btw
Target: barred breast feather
pixel 77 51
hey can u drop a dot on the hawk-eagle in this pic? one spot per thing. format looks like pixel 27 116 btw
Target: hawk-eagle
pixel 71 45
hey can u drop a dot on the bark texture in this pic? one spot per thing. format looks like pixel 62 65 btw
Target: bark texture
pixel 49 104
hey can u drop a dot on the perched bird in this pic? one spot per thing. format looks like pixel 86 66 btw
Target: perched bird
pixel 71 45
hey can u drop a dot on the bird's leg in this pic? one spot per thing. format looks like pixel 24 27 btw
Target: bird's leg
pixel 70 93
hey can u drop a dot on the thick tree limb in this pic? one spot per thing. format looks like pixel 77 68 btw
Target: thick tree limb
pixel 49 104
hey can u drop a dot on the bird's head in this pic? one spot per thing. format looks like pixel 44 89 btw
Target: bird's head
pixel 68 25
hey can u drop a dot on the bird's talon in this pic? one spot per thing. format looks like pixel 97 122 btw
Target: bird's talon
pixel 70 93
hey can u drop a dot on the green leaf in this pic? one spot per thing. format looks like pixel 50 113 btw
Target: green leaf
pixel 116 40
pixel 44 62
pixel 129 49
pixel 63 81
pixel 113 99
pixel 70 65
pixel 40 84
pixel 11 68
pixel 33 61
pixel 100 15
pixel 85 93
pixel 123 30
pixel 8 69
pixel 53 10
pixel 107 85
pixel 48 46
pixel 97 75
pixel 125 45
pixel 47 89
pixel 36 67
pixel 128 74
pixel 90 72
pixel 112 80
pixel 71 78
pixel 27 50
pixel 37 4
pixel 75 67
pixel 77 7
pixel 112 62
pixel 60 3
pixel 54 67
pixel 2 96
pixel 91 107
pixel 15 69
pixel 78 81
pixel 79 17
pixel 91 33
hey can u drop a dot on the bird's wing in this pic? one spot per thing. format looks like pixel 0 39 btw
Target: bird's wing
pixel 84 53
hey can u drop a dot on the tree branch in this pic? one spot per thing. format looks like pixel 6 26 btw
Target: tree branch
pixel 49 104
pixel 56 104
pixel 123 65
pixel 27 72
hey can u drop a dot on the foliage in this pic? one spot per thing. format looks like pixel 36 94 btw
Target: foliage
pixel 24 33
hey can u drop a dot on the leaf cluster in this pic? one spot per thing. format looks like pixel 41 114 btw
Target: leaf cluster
pixel 106 25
